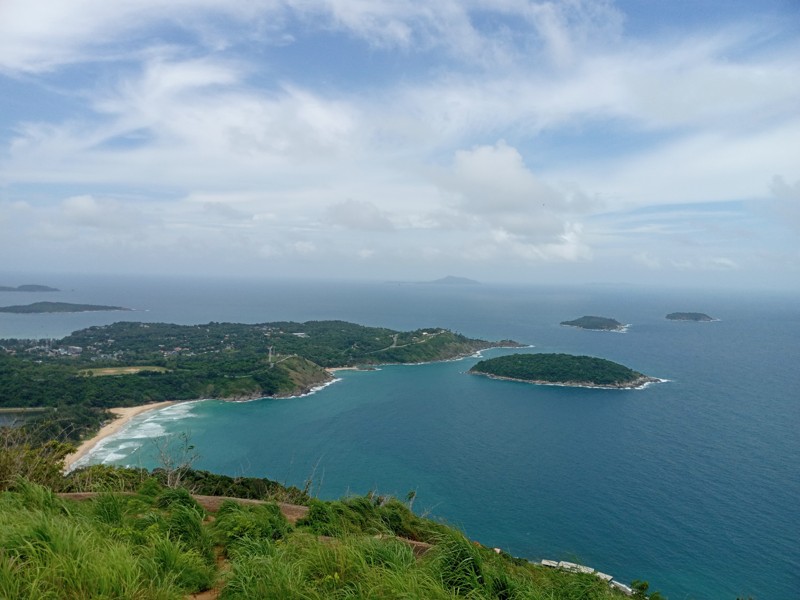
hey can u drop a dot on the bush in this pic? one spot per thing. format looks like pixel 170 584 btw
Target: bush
pixel 236 522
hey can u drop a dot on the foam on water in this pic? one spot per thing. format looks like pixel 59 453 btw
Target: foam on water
pixel 126 443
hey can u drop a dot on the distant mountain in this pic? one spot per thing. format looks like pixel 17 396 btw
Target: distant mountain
pixel 449 280
pixel 29 287
pixel 452 280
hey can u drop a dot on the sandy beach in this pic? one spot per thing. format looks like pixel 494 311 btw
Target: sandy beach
pixel 124 415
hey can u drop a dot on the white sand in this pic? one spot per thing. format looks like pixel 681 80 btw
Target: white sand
pixel 124 415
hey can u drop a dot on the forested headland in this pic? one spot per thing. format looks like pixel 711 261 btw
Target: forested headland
pixel 131 363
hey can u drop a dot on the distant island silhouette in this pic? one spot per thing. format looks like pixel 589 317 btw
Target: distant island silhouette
pixel 28 287
pixel 689 316
pixel 57 307
pixel 447 280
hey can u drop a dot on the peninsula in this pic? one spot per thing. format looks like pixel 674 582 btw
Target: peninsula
pixel 57 307
pixel 689 316
pixel 131 363
pixel 562 369
pixel 596 323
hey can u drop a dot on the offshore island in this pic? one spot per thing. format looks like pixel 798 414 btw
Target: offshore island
pixel 689 316
pixel 28 287
pixel 57 307
pixel 596 324
pixel 562 369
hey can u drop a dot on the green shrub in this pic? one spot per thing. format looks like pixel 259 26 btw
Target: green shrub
pixel 104 478
pixel 185 524
pixel 236 522
pixel 172 497
pixel 458 564
pixel 109 509
pixel 169 563
pixel 150 487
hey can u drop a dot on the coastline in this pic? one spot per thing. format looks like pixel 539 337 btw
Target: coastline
pixel 637 384
pixel 621 329
pixel 125 414
pixel 123 417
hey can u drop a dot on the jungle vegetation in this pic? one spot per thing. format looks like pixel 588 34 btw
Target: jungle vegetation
pixel 564 369
pixel 131 363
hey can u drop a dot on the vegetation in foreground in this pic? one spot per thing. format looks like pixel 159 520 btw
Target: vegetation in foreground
pixel 108 532
pixel 161 543
pixel 563 369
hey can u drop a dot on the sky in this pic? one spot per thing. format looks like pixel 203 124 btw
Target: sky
pixel 573 141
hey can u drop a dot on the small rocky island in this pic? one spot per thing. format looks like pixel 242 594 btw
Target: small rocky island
pixel 57 307
pixel 596 324
pixel 689 316
pixel 562 369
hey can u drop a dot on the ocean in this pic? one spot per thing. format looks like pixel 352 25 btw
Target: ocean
pixel 692 484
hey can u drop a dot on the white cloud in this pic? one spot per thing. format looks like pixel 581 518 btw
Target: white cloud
pixel 786 202
pixel 648 260
pixel 492 187
pixel 353 214
pixel 41 35
pixel 190 131
pixel 702 167
pixel 507 211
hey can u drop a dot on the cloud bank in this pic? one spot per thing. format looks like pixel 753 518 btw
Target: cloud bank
pixel 485 137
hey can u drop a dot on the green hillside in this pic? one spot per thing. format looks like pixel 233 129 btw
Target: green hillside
pixel 156 361
pixel 164 543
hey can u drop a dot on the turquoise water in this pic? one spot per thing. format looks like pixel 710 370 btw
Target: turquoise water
pixel 692 484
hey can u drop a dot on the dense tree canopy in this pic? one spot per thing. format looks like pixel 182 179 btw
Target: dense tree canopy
pixel 560 368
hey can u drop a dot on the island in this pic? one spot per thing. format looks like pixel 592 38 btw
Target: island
pixel 596 324
pixel 453 280
pixel 562 369
pixel 689 316
pixel 29 287
pixel 449 280
pixel 57 307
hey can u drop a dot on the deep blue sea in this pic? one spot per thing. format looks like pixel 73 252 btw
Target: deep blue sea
pixel 693 484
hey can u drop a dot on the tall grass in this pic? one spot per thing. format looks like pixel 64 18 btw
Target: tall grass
pixel 369 514
pixel 162 547
pixel 51 550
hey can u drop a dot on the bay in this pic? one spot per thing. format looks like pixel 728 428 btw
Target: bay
pixel 691 484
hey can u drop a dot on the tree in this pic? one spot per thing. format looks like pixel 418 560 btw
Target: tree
pixel 176 454
pixel 22 457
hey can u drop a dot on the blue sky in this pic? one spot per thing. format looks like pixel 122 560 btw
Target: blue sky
pixel 507 140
